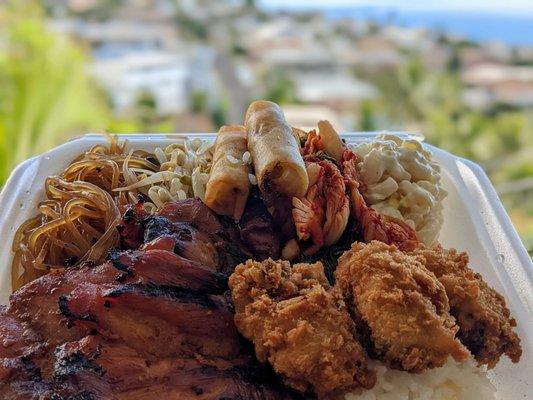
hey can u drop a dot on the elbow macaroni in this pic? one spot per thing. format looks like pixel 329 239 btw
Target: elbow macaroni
pixel 403 182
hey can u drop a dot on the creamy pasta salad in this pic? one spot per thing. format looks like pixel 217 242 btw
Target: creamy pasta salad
pixel 403 182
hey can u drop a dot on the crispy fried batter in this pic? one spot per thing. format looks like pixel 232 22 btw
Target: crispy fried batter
pixel 299 325
pixel 402 306
pixel 485 323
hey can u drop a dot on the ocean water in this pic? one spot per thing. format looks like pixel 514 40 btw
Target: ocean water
pixel 510 27
pixel 476 26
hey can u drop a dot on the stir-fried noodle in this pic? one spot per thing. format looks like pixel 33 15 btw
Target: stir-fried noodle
pixel 77 221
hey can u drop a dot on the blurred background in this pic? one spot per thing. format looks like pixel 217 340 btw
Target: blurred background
pixel 461 74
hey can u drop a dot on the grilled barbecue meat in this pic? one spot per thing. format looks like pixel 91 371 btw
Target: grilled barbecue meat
pixel 191 229
pixel 209 235
pixel 485 322
pixel 24 389
pixel 194 231
pixel 112 370
pixel 152 320
pixel 34 308
pixel 93 369
pixel 157 321
pixel 19 343
pixel 257 229
pixel 166 268
pixel 16 337
pixel 36 302
pixel 280 207
pixel 299 325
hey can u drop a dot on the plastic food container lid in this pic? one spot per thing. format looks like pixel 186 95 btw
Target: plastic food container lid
pixel 474 221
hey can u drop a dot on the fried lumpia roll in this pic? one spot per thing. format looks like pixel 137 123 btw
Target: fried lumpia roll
pixel 229 184
pixel 279 166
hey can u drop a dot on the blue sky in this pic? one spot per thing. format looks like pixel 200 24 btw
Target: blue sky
pixel 516 7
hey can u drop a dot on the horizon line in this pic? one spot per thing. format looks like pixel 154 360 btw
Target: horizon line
pixel 518 9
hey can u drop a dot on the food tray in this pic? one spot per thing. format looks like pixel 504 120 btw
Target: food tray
pixel 474 221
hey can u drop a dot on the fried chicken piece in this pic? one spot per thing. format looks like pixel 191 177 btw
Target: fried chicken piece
pixel 485 322
pixel 300 326
pixel 401 306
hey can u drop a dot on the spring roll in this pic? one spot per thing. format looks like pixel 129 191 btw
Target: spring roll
pixel 229 185
pixel 279 166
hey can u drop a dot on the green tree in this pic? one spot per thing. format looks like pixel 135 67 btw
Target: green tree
pixel 367 116
pixel 142 117
pixel 45 94
pixel 219 116
pixel 454 63
pixel 198 101
pixel 145 109
pixel 102 10
pixel 279 87
pixel 189 26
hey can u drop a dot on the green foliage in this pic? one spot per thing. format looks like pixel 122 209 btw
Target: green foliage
pixel 219 116
pixel 238 50
pixel 124 125
pixel 411 96
pixel 280 88
pixel 454 63
pixel 367 120
pixel 250 4
pixel 521 171
pixel 102 10
pixel 147 101
pixel 45 93
pixel 198 101
pixel 190 27
pixel 146 110
pixel 144 117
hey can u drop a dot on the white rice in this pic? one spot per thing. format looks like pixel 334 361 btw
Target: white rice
pixel 453 381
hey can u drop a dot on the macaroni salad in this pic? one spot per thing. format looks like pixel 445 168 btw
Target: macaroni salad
pixel 403 182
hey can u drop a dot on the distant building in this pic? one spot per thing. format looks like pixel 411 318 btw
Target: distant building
pixel 119 36
pixel 471 56
pixel 489 74
pixel 307 116
pixel 133 56
pixel 478 98
pixel 202 75
pixel 516 93
pixel 376 51
pixel 163 75
pixel 207 9
pixel 287 44
pixel 337 88
pixel 436 57
pixel 413 38
pixel 497 83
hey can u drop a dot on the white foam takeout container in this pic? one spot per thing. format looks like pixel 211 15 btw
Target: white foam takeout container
pixel 474 221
